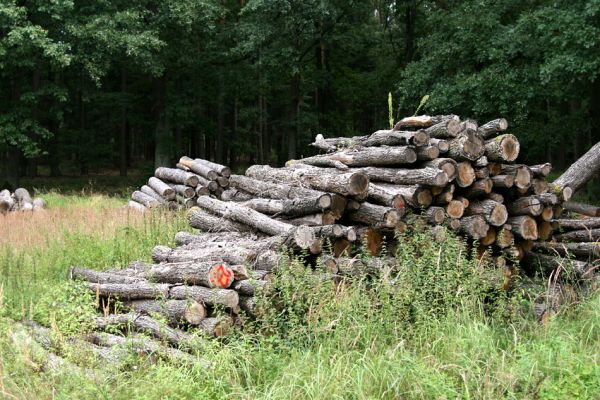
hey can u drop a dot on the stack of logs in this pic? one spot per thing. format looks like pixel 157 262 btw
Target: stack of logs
pixel 178 188
pixel 364 190
pixel 20 200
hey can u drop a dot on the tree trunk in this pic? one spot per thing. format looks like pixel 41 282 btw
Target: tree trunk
pixel 177 176
pixel 502 148
pixel 584 169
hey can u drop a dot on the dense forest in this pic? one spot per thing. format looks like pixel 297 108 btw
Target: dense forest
pixel 88 86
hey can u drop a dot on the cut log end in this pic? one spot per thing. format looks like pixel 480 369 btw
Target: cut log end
pixel 220 276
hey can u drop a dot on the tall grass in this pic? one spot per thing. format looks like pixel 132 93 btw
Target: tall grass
pixel 434 326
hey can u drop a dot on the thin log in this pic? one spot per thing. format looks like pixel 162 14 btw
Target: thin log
pixel 376 216
pixel 205 221
pixel 577 224
pixel 161 188
pixel 522 174
pixel 207 273
pixel 220 169
pixel 175 311
pixel 583 235
pixel 199 168
pixel 183 190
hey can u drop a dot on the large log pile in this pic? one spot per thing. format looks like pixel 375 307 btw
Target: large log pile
pixel 437 171
pixel 20 200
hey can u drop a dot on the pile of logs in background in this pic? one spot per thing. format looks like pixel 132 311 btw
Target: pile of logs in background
pixel 357 196
pixel 20 200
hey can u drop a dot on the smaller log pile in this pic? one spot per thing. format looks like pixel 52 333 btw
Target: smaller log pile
pixel 20 200
pixel 179 188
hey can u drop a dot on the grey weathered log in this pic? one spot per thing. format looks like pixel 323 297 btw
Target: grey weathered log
pixel 576 224
pixel 183 238
pixel 175 311
pixel 132 290
pixel 134 205
pixel 217 326
pixel 423 121
pixel 223 182
pixel 503 148
pixel 396 138
pixel 465 174
pixel 564 193
pixel 541 170
pixel 441 144
pixel 324 179
pixel 292 207
pixel 580 249
pixel 199 168
pixel 525 206
pixel 101 277
pixel 23 200
pixel 311 220
pixel 39 204
pixel 161 188
pixel 580 172
pixel 226 252
pixel 6 201
pixel 249 305
pixel 583 235
pixel 220 169
pixel 205 273
pixel 548 264
pixel 377 216
pixel 581 208
pixel 183 190
pixel 213 297
pixel 445 129
pixel 238 195
pixel 422 176
pixel 474 226
pixel 414 195
pixel 144 199
pixel 435 215
pixel 494 213
pixel 427 153
pixel 184 202
pixel 145 324
pixel 208 222
pixel 175 175
pixel 524 226
pixel 481 162
pixel 492 128
pixel 249 287
pixel 538 186
pixel 448 165
pixel 382 195
pixel 503 181
pixel 522 174
pixel 150 192
pixel 367 156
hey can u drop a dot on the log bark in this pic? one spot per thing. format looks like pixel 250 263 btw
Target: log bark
pixel 492 128
pixel 380 194
pixel 581 249
pixel 317 219
pixel 134 205
pixel 213 297
pixel 583 235
pixel 524 226
pixel 184 238
pixel 207 273
pixel 445 129
pixel 544 230
pixel 427 153
pixel 576 224
pixel 198 168
pixel 161 188
pixel 466 146
pixel 474 226
pixel 423 121
pixel 6 201
pixel 23 200
pixel 132 290
pixel 465 175
pixel 376 216
pixel 175 311
pixel 222 170
pixel 144 199
pixel 541 170
pixel 441 144
pixel 525 206
pixel 580 208
pixel 92 276
pixel 291 207
pixel 237 195
pixel 522 174
pixel 445 196
pixel 584 169
pixel 176 176
pixel 502 148
pixel 145 324
pixel 494 213
pixel 435 215
pixel 368 156
pixel 396 138
pixel 416 196
pixel 480 188
pixel 249 287
pixel 324 179
pixel 200 219
pixel 504 238
pixel 564 193
pixel 224 252
pixel 503 181
pixel 423 176
pixel 184 191
pixel 217 326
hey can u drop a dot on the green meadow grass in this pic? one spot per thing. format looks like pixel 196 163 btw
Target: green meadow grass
pixel 437 330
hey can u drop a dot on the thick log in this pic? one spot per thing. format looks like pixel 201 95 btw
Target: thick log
pixel 144 199
pixel 582 249
pixel 525 206
pixel 492 128
pixel 445 129
pixel 220 169
pixel 522 174
pixel 199 168
pixel 423 121
pixel 184 238
pixel 581 208
pixel 328 180
pixel 132 290
pixel 503 181
pixel 474 226
pixel 161 188
pixel 584 169
pixel 415 195
pixel 184 202
pixel 548 264
pixel 213 297
pixel 176 176
pixel 368 156
pixel 380 194
pixel 541 170
pixel 524 226
pixel 466 146
pixel 455 209
pixel 445 196
pixel 494 213
pixel 539 186
pixel 583 235
pixel 479 188
pixel 291 207
pixel 435 215
pixel 175 311
pixel 223 182
pixel 378 138
pixel 205 221
pixel 576 224
pixel 183 190
pixel 145 324
pixel 465 175
pixel 134 205
pixel 23 200
pixel 427 153
pixel 376 216
pixel 502 148
pixel 544 230
pixel 448 165
pixel 423 176
pixel 249 305
pixel 249 287
pixel 207 273
pixel 564 193
pixel 6 201
pixel 224 252
pixel 150 192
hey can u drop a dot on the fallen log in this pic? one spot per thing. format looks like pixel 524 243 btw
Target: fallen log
pixel 549 264
pixel 145 324
pixel 583 235
pixel 580 208
pixel 581 249
pixel 584 169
